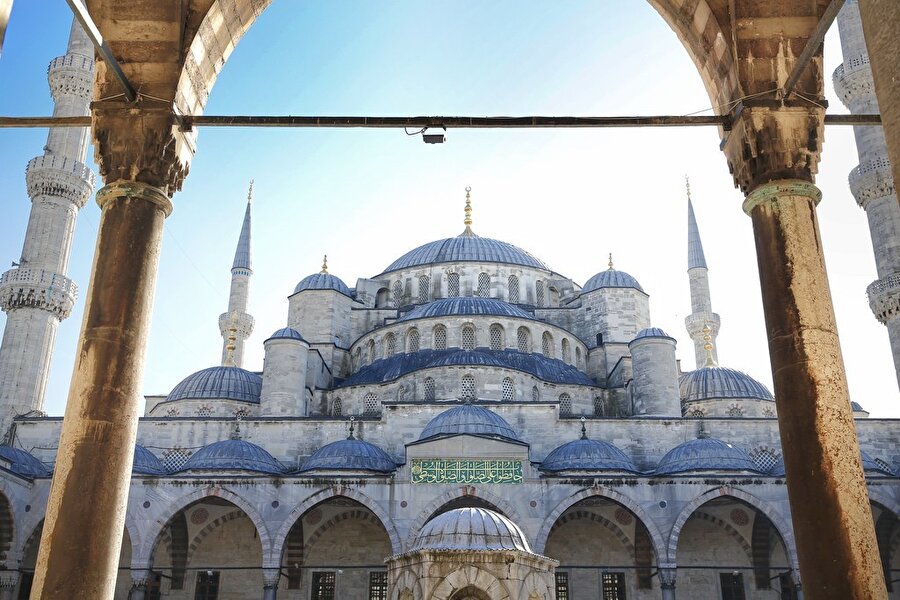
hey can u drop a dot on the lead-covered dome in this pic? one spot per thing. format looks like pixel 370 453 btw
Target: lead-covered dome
pixel 146 463
pixel 323 281
pixel 466 248
pixel 471 529
pixel 23 463
pixel 286 333
pixel 708 383
pixel 469 419
pixel 466 306
pixel 233 455
pixel 587 455
pixel 611 278
pixel 704 454
pixel 219 383
pixel 349 455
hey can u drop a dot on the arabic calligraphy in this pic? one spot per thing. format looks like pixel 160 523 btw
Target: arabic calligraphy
pixel 454 470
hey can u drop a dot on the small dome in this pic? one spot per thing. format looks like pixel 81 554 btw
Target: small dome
pixel 704 454
pixel 466 248
pixel 611 278
pixel 286 333
pixel 23 463
pixel 587 455
pixel 233 455
pixel 870 465
pixel 710 383
pixel 857 407
pixel 350 455
pixel 146 463
pixel 469 419
pixel 652 332
pixel 219 383
pixel 323 281
pixel 466 306
pixel 471 529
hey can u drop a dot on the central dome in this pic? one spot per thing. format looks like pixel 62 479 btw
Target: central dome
pixel 471 529
pixel 466 248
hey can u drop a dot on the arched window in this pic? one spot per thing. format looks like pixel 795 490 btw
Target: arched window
pixel 370 404
pixel 566 353
pixel 397 292
pixel 523 339
pixel 453 285
pixel 390 345
pixel 468 337
pixel 547 344
pixel 508 389
pixel 735 410
pixel 497 341
pixel 513 288
pixel 357 355
pixel 565 405
pixel 539 292
pixel 440 338
pixel 484 285
pixel 424 285
pixel 412 340
pixel 577 357
pixel 337 408
pixel 535 394
pixel 599 407
pixel 370 352
pixel 429 388
pixel 467 387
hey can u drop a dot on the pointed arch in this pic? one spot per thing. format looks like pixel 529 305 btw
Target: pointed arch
pixel 471 577
pixel 485 496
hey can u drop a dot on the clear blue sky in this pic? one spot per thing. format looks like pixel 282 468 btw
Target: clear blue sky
pixel 366 197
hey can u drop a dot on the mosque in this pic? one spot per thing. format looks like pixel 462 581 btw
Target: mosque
pixel 467 424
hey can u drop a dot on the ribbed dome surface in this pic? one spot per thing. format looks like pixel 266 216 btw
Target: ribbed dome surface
pixel 466 306
pixel 469 419
pixel 709 383
pixel 286 333
pixel 611 279
pixel 350 455
pixel 471 529
pixel 23 463
pixel 705 454
pixel 219 383
pixel 466 249
pixel 233 455
pixel 322 281
pixel 651 332
pixel 587 455
pixel 146 463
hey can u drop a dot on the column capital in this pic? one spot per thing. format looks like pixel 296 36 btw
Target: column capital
pixel 667 577
pixel 271 578
pixel 9 580
pixel 768 192
pixel 134 189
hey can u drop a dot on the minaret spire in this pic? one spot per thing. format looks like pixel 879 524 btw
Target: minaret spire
pixel 702 324
pixel 467 232
pixel 324 270
pixel 236 325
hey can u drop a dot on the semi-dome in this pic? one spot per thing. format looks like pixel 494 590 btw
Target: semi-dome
pixel 233 455
pixel 652 332
pixel 611 278
pixel 323 281
pixel 704 454
pixel 469 419
pixel 471 529
pixel 466 248
pixel 286 333
pixel 587 455
pixel 708 383
pixel 219 383
pixel 349 455
pixel 146 463
pixel 870 465
pixel 466 306
pixel 23 463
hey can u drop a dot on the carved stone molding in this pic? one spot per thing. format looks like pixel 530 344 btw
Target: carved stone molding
pixel 872 180
pixel 36 288
pixel 667 578
pixel 59 177
pixel 853 81
pixel 777 189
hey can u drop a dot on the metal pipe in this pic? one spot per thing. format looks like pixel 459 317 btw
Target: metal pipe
pixel 812 45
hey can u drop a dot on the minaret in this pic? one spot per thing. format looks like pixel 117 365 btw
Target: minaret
pixel 236 325
pixel 36 294
pixel 701 316
pixel 871 182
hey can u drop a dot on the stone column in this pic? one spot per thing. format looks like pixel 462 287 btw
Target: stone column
pixel 270 583
pixel 139 583
pixel 667 582
pixel 832 520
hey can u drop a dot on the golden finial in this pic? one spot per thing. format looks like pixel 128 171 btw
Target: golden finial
pixel 250 192
pixel 468 219
pixel 708 346
pixel 231 345
pixel 687 185
pixel 610 262
pixel 324 270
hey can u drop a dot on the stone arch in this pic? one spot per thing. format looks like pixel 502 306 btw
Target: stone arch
pixel 659 546
pixel 467 492
pixel 741 540
pixel 7 529
pixel 602 521
pixel 406 585
pixel 886 502
pixel 357 514
pixel 472 577
pixel 201 535
pixel 274 558
pixel 778 521
pixel 534 587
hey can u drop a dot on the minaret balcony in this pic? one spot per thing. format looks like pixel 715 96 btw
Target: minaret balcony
pixel 71 75
pixel 37 288
pixel 61 177
pixel 872 180
pixel 241 323
pixel 884 297
pixel 853 81
pixel 695 322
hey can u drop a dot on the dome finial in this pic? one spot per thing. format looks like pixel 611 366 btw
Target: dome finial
pixel 236 432
pixel 707 337
pixel 250 193
pixel 687 186
pixel 467 232
pixel 350 436
pixel 702 433
pixel 324 270
pixel 583 429
pixel 610 262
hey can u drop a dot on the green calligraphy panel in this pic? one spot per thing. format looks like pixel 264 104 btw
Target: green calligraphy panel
pixel 455 470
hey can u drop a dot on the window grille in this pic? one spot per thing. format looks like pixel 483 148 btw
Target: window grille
pixel 337 408
pixel 562 586
pixel 173 412
pixel 370 352
pixel 322 585
pixel 523 340
pixel 565 405
pixel 440 338
pixel 613 586
pixel 883 464
pixel 566 352
pixel 697 413
pixel 205 411
pixel 599 407
pixel 468 338
pixel 467 387
pixel 535 394
pixel 174 458
pixel 453 285
pixel 429 388
pixel 496 337
pixel 539 292
pixel 513 288
pixel 412 340
pixel 732 586
pixel 397 293
pixel 508 389
pixel 424 285
pixel 241 413
pixel 547 344
pixel 484 285
pixel 390 345
pixel 378 585
pixel 765 459
pixel 370 405
pixel 207 585
pixel 735 410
